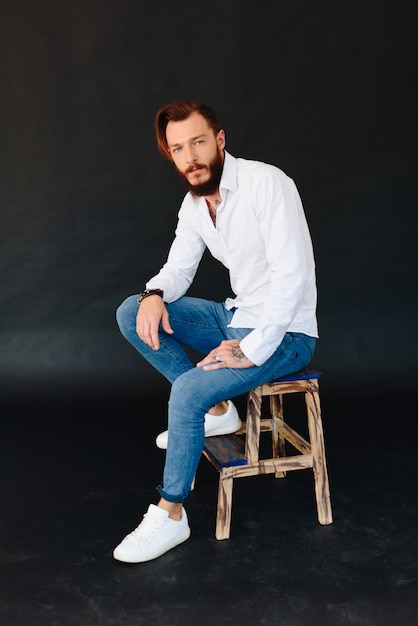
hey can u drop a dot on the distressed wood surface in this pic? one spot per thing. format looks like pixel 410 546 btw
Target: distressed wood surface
pixel 316 435
pixel 278 441
pixel 225 450
pixel 293 386
pixel 237 457
pixel 252 440
pixel 290 435
pixel 269 466
pixel 224 508
pixel 265 426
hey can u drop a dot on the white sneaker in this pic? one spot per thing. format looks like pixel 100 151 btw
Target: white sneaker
pixel 155 535
pixel 224 424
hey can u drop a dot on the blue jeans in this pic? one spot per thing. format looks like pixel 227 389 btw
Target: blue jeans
pixel 202 325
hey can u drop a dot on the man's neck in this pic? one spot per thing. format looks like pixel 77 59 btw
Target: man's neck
pixel 214 199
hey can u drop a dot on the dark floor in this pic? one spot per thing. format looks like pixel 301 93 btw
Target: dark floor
pixel 79 469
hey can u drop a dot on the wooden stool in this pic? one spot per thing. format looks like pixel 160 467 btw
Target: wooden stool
pixel 235 456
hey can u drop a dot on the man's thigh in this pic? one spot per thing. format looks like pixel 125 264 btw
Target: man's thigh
pixel 198 323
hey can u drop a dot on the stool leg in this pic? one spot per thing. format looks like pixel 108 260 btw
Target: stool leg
pixel 278 441
pixel 323 500
pixel 224 510
pixel 253 424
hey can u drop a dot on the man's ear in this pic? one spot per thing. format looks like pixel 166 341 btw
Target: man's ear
pixel 220 139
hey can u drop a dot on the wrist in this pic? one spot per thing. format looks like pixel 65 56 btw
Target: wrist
pixel 149 292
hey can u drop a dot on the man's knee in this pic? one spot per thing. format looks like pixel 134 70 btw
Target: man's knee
pixel 126 313
pixel 187 391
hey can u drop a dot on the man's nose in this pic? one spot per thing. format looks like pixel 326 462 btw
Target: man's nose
pixel 191 155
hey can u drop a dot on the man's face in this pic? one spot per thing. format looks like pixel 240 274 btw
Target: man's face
pixel 197 153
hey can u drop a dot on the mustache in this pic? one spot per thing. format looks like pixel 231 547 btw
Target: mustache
pixel 195 166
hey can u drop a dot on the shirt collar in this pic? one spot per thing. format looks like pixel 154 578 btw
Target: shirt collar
pixel 229 173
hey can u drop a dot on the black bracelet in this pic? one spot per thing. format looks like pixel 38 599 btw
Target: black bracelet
pixel 149 292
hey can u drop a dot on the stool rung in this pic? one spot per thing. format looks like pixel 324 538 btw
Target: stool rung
pixel 293 437
pixel 265 426
pixel 270 466
pixel 225 450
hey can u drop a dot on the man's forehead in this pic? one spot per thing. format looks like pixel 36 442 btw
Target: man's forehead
pixel 185 130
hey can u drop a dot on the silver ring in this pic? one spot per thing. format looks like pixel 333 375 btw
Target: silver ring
pixel 217 358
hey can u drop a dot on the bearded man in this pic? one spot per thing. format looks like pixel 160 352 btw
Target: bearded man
pixel 250 217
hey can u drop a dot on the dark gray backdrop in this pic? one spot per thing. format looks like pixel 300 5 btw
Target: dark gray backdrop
pixel 324 90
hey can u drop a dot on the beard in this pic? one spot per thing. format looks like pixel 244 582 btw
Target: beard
pixel 210 186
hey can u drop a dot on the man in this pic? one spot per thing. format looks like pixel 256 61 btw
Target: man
pixel 250 217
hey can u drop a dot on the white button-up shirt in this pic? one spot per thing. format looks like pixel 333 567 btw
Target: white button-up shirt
pixel 262 238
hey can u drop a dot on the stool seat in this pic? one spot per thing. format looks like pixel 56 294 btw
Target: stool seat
pixel 302 375
pixel 237 455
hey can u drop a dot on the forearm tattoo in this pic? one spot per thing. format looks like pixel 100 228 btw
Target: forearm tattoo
pixel 237 353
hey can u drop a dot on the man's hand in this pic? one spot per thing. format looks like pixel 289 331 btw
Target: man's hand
pixel 227 354
pixel 151 312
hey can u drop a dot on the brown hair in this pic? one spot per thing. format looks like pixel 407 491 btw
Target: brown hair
pixel 176 112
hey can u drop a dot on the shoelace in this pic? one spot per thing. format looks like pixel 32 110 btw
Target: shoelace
pixel 146 529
